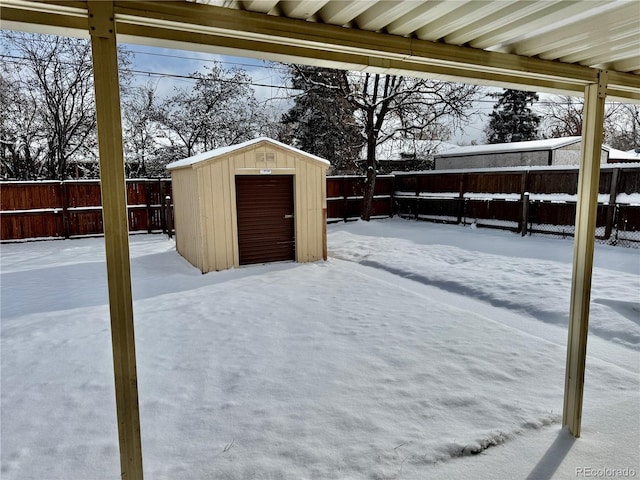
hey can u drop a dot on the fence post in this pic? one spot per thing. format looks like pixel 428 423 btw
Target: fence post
pixel 345 201
pixel 169 219
pixel 613 194
pixel 525 213
pixel 417 197
pixel 391 195
pixel 65 209
pixel 163 213
pixel 463 186
pixel 147 200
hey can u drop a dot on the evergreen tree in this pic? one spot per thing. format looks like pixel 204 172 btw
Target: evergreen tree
pixel 321 120
pixel 512 119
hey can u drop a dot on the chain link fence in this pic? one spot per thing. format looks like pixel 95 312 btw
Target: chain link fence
pixel 626 223
pixel 616 224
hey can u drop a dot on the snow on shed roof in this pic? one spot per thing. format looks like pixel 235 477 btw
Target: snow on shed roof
pixel 531 145
pixel 218 152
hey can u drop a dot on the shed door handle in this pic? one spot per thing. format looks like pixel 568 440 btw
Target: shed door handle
pixel 289 216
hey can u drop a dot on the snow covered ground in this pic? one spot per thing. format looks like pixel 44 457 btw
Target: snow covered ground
pixel 416 351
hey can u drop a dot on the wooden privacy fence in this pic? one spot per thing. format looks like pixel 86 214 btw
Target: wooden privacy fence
pixel 521 200
pixel 52 209
pixel 345 195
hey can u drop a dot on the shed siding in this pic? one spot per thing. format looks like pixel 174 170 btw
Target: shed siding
pixel 299 205
pixel 217 205
pixel 310 183
pixel 187 216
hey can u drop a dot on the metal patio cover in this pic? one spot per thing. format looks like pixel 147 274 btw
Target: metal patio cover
pixel 544 45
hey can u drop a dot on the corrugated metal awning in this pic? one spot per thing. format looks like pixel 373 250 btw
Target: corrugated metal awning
pixel 598 34
pixel 543 45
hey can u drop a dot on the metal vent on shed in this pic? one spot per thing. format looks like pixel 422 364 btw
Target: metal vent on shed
pixel 265 157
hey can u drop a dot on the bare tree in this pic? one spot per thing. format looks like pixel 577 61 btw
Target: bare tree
pixel 141 132
pixel 52 81
pixel 20 145
pixel 220 110
pixel 390 107
pixel 562 117
pixel 55 74
pixel 623 127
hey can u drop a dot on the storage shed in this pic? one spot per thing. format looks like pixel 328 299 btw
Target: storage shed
pixel 255 202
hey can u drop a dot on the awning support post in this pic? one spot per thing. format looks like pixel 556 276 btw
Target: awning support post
pixel 584 243
pixel 116 234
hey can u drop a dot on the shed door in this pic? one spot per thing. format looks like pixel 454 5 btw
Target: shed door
pixel 266 231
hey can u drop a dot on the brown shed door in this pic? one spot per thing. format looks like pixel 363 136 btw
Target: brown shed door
pixel 266 231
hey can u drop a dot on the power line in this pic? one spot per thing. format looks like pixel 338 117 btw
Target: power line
pixel 190 77
pixel 225 62
pixel 177 76
pixel 23 61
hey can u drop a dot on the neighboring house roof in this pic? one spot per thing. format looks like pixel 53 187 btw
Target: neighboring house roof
pixel 394 149
pixel 219 152
pixel 531 145
pixel 614 154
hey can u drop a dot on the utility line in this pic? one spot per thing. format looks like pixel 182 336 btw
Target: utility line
pixel 225 62
pixel 15 60
pixel 23 62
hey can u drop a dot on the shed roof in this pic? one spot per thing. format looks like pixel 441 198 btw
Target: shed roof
pixel 219 152
pixel 528 146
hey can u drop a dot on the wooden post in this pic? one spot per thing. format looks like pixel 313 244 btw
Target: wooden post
pixel 391 196
pixel 524 197
pixel 66 227
pixel 524 182
pixel 584 243
pixel 163 220
pixel 525 213
pixel 116 235
pixel 345 200
pixel 417 208
pixel 463 186
pixel 324 233
pixel 613 194
pixel 168 215
pixel 147 200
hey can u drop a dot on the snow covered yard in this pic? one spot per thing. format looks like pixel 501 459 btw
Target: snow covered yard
pixel 417 351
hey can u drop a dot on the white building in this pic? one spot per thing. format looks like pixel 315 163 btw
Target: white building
pixel 549 152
